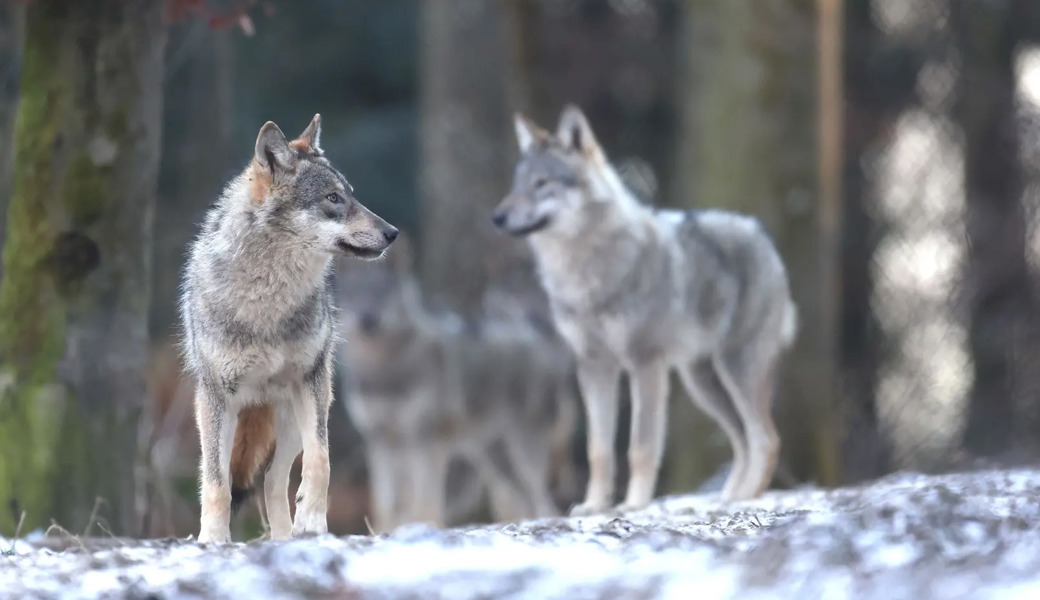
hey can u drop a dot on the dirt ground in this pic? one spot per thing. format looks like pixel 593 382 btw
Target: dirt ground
pixel 972 535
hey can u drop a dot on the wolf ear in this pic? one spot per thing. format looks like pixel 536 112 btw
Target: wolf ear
pixel 272 150
pixel 527 133
pixel 310 140
pixel 399 256
pixel 574 131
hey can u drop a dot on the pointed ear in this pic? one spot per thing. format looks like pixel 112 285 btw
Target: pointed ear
pixel 272 150
pixel 527 133
pixel 310 140
pixel 574 131
pixel 399 256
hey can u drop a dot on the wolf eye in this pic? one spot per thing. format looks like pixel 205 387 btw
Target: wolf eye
pixel 334 198
pixel 540 183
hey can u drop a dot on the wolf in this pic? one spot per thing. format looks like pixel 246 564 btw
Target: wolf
pixel 258 328
pixel 646 291
pixel 426 388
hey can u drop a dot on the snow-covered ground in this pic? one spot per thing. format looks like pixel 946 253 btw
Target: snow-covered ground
pixel 974 535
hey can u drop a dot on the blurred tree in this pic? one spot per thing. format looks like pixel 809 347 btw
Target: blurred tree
pixel 12 33
pixel 753 142
pixel 196 157
pixel 695 444
pixel 76 267
pixel 880 80
pixel 997 286
pixel 465 145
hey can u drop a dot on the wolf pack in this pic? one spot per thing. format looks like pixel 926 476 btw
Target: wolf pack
pixel 293 287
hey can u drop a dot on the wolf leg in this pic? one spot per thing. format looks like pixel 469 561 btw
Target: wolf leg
pixel 428 466
pixel 531 458
pixel 216 425
pixel 743 382
pixel 646 446
pixel 276 481
pixel 705 391
pixel 564 478
pixel 311 406
pixel 384 485
pixel 504 505
pixel 599 391
pixel 510 494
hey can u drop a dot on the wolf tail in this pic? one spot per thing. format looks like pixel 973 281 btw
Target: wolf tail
pixel 252 451
pixel 789 329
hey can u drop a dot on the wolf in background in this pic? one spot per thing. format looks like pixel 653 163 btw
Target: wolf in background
pixel 647 291
pixel 258 328
pixel 425 388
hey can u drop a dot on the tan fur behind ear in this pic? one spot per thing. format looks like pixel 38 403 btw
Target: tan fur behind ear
pixel 575 132
pixel 254 445
pixel 528 133
pixel 308 142
pixel 302 146
pixel 259 182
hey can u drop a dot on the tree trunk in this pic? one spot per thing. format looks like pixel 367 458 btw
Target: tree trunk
pixel 751 143
pixel 871 112
pixel 195 158
pixel 76 265
pixel 465 145
pixel 998 284
pixel 695 445
pixel 12 35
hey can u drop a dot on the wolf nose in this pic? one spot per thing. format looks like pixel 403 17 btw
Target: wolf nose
pixel 368 322
pixel 498 219
pixel 391 235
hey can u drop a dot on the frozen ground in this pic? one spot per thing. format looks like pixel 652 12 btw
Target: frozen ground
pixel 972 535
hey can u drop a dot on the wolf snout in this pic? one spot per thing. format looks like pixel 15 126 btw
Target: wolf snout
pixel 499 218
pixel 390 234
pixel 368 322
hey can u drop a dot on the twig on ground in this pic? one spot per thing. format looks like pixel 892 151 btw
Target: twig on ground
pixel 18 528
pixel 98 500
pixel 17 534
pixel 68 535
pixel 104 528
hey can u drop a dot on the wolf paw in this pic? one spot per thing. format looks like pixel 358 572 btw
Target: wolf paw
pixel 215 536
pixel 586 509
pixel 309 523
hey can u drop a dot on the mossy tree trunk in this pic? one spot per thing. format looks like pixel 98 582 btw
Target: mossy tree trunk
pixel 753 141
pixel 12 33
pixel 695 446
pixel 76 262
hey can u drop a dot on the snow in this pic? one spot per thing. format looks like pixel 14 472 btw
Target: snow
pixel 972 535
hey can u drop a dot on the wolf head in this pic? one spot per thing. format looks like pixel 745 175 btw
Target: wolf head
pixel 378 301
pixel 294 188
pixel 553 185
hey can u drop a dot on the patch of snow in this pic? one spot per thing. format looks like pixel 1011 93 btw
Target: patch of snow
pixel 973 535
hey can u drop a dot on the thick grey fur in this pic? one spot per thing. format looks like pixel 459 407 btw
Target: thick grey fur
pixel 646 291
pixel 258 322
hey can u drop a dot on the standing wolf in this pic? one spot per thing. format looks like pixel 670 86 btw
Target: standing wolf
pixel 425 389
pixel 703 292
pixel 258 328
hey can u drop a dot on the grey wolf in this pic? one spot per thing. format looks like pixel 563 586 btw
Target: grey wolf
pixel 427 388
pixel 646 291
pixel 258 328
